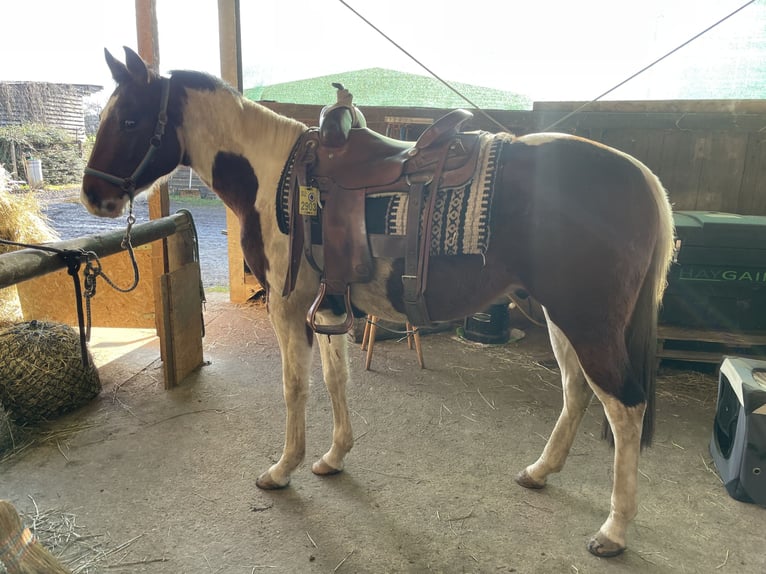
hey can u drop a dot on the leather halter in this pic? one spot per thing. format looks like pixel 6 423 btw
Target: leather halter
pixel 128 184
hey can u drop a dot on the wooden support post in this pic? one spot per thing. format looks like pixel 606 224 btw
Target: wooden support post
pixel 242 285
pixel 177 301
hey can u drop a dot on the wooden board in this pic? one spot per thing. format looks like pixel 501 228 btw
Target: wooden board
pixel 724 164
pixel 707 346
pixel 180 292
pixel 242 283
pixel 752 199
pixel 51 297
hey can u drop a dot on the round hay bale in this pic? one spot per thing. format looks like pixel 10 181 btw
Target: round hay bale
pixel 42 375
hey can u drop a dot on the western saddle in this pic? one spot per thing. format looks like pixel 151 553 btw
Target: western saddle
pixel 337 166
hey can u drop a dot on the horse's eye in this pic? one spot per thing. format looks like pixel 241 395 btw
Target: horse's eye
pixel 128 124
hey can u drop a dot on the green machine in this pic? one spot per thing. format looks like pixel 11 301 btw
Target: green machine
pixel 718 280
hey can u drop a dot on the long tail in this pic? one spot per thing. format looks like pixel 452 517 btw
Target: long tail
pixel 641 335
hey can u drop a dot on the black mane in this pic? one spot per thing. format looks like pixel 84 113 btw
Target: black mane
pixel 199 80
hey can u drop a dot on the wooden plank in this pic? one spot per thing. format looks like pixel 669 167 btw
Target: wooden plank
pixel 181 297
pixel 692 356
pixel 721 172
pixel 51 297
pixel 242 284
pixel 624 140
pixel 159 203
pixel 752 199
pixel 230 42
pixel 710 346
pixel 655 140
pixel 670 332
pixel 181 249
pixel 676 168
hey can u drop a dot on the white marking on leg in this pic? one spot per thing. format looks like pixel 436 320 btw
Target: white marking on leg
pixel 577 397
pixel 334 353
pixel 288 321
pixel 626 423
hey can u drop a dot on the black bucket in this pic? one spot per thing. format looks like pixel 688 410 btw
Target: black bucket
pixel 492 326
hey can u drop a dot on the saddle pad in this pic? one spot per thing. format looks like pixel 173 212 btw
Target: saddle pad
pixel 283 191
pixel 461 219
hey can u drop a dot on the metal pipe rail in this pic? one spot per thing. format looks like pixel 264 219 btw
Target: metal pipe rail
pixel 28 263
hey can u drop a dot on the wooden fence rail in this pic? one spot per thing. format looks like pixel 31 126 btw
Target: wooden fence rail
pixel 24 264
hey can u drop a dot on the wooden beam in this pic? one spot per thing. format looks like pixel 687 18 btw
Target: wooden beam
pixel 230 42
pixel 242 285
pixel 24 264
pixel 147 36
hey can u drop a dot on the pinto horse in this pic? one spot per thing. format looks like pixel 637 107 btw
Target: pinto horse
pixel 583 228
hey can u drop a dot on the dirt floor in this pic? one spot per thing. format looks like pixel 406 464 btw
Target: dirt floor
pixel 164 481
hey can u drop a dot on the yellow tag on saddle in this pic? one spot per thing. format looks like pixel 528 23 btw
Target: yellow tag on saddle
pixel 309 200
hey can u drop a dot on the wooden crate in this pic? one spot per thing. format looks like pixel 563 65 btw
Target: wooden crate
pixel 705 346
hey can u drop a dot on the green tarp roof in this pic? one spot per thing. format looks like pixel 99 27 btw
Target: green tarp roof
pixel 383 87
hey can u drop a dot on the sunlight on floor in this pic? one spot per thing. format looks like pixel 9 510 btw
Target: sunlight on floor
pixel 108 343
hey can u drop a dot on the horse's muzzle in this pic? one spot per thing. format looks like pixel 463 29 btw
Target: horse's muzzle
pixel 109 207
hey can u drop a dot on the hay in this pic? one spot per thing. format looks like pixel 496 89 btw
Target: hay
pixel 22 220
pixel 67 544
pixel 42 375
pixel 22 552
pixel 13 437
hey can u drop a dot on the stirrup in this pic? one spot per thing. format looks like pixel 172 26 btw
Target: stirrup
pixel 340 328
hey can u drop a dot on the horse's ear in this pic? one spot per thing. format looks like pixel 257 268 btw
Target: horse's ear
pixel 119 71
pixel 136 66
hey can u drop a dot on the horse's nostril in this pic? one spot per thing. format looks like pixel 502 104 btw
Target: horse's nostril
pixel 90 195
pixel 110 206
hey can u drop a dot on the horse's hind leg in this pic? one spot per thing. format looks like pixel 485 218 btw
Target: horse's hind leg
pixel 577 397
pixel 626 423
pixel 334 352
pixel 601 364
pixel 289 324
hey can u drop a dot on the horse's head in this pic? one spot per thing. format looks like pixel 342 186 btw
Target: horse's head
pixel 137 140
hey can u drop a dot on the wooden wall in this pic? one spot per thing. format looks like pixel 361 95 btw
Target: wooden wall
pixel 710 155
pixel 178 182
pixel 59 105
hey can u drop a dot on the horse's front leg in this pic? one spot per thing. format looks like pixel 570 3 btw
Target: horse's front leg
pixel 577 397
pixel 334 353
pixel 288 319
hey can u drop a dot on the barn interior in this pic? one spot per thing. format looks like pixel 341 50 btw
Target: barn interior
pixel 157 473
